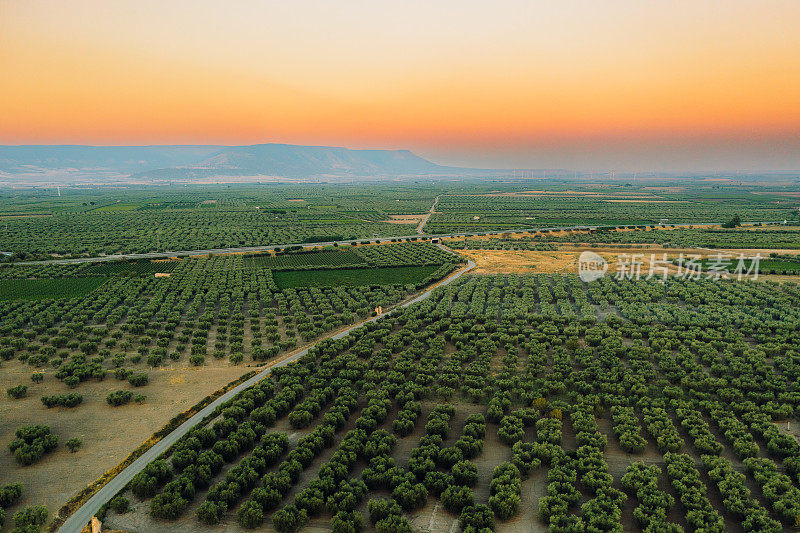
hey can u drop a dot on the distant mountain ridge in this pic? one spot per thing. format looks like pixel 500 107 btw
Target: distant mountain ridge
pixel 289 160
pixel 120 159
pixel 198 162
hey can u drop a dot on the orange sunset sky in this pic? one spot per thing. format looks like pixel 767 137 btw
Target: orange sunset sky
pixel 635 84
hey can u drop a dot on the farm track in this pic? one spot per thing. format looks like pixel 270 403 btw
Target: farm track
pixel 78 520
pixel 424 221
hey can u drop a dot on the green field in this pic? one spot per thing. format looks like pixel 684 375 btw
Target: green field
pixel 132 267
pixel 37 289
pixel 353 277
pixel 765 266
pixel 305 259
pixel 386 255
pixel 404 254
pixel 779 264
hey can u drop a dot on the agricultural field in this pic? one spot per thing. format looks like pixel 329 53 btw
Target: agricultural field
pixel 610 206
pixel 354 277
pixel 510 403
pixel 42 271
pixel 86 234
pixel 291 261
pixel 39 224
pixel 82 355
pixel 406 253
pixel 377 267
pixel 558 251
pixel 104 269
pixel 111 221
pixel 774 237
pixel 516 398
pixel 39 289
pixel 144 266
pixel 357 255
pixel 788 265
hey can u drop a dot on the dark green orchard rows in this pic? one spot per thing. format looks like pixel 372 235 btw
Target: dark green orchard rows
pixel 291 261
pixel 15 289
pixel 752 237
pixel 108 220
pixel 174 231
pixel 21 271
pixel 457 214
pixel 22 280
pixel 638 404
pixel 133 232
pixel 222 307
pixel 208 307
pixel 406 253
pixel 142 266
pixel 410 276
pixel 354 256
pixel 39 222
pixel 772 264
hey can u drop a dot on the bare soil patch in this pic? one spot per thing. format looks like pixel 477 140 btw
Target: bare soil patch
pixel 565 260
pixel 405 219
pixel 551 262
pixel 108 433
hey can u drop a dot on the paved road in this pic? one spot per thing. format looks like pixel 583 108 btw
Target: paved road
pixel 81 517
pixel 188 253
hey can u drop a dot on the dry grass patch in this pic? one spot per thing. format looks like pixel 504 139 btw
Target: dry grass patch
pixel 565 260
pixel 405 219
pixel 521 261
pixel 109 434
